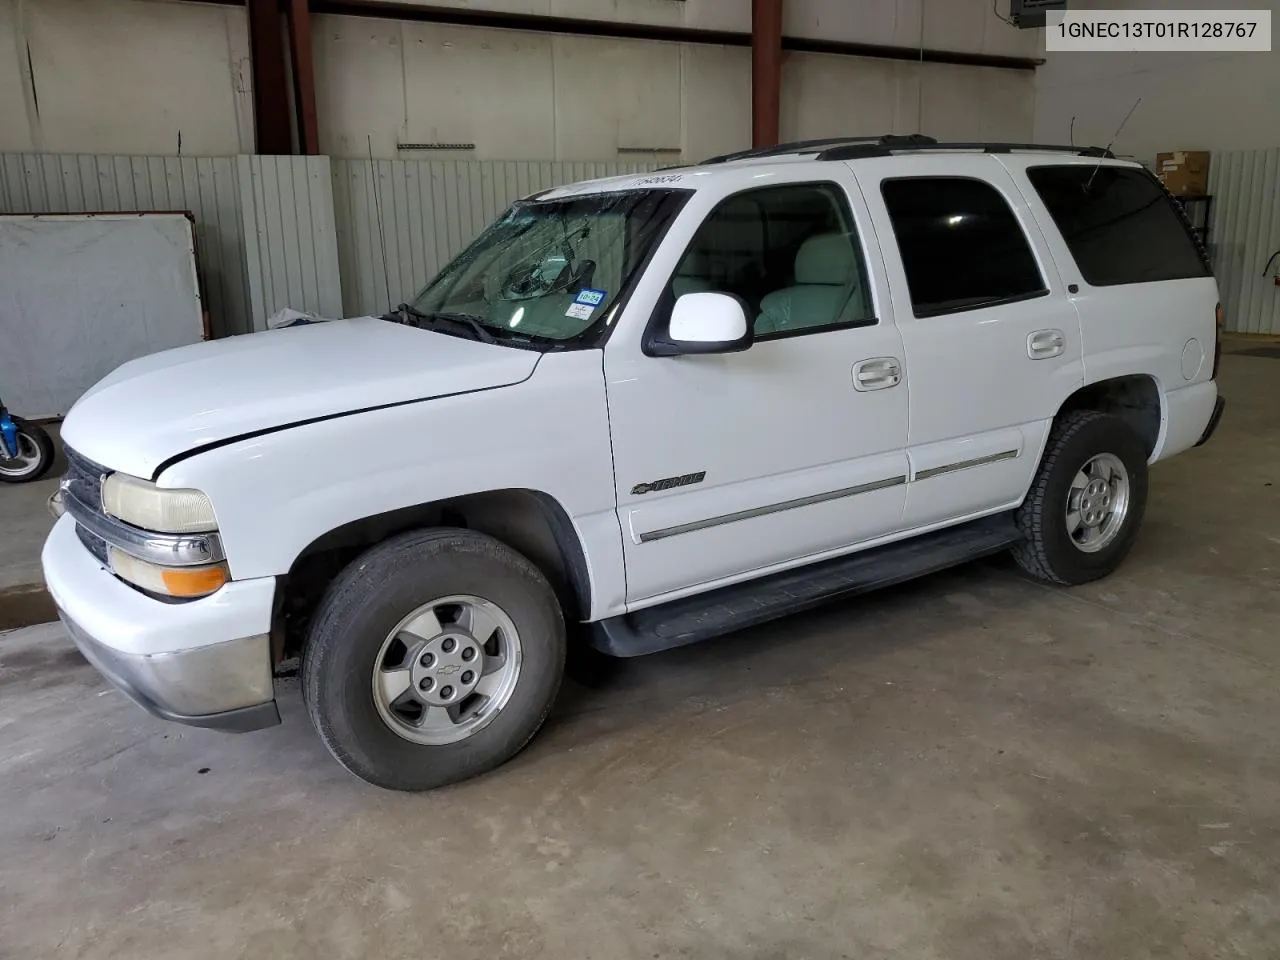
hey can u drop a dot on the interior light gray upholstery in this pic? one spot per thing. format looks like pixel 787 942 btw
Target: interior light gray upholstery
pixel 826 276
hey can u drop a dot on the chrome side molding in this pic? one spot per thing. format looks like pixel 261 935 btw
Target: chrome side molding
pixel 665 532
pixel 965 464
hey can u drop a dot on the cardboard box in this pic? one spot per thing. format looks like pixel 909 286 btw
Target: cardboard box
pixel 1185 173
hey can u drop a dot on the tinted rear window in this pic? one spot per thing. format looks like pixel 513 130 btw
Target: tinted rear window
pixel 1119 224
pixel 961 245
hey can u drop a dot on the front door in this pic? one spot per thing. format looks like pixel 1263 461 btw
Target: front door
pixel 730 464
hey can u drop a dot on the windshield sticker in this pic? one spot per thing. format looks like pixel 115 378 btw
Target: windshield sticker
pixel 580 311
pixel 592 298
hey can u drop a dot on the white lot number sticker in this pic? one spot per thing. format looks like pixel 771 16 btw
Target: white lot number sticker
pixel 1133 31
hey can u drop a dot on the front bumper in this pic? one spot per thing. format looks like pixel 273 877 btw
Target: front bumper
pixel 194 687
pixel 205 662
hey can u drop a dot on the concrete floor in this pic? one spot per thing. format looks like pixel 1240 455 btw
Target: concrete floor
pixel 971 766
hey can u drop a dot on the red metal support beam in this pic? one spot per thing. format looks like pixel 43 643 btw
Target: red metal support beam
pixel 271 109
pixel 304 77
pixel 766 71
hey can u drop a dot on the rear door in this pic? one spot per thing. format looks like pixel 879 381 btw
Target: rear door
pixel 992 344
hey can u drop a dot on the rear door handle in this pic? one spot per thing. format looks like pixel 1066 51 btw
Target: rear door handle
pixel 1044 344
pixel 877 374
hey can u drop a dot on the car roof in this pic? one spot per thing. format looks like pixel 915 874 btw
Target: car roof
pixel 818 154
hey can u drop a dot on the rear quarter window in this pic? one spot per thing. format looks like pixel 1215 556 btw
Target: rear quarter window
pixel 1119 224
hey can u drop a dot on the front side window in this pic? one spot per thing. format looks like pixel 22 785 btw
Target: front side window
pixel 1118 223
pixel 551 270
pixel 789 253
pixel 962 247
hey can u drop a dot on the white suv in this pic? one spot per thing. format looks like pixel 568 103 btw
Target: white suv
pixel 666 407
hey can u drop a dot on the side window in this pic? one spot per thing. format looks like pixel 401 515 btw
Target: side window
pixel 961 245
pixel 790 253
pixel 1118 224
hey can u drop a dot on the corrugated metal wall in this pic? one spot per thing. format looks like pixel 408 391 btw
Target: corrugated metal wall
pixel 1245 231
pixel 208 187
pixel 291 248
pixel 299 232
pixel 430 210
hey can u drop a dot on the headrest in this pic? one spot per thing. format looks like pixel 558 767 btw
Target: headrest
pixel 825 258
pixel 696 263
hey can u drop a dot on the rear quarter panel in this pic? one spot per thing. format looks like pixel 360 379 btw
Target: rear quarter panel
pixel 1147 328
pixel 1164 330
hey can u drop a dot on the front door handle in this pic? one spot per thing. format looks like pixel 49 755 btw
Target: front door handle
pixel 1044 344
pixel 877 374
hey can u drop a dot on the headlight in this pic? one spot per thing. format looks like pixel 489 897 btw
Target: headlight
pixel 162 510
pixel 187 582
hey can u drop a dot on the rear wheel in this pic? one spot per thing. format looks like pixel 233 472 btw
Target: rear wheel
pixel 434 657
pixel 34 454
pixel 1085 506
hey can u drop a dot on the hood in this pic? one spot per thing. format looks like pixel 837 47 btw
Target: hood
pixel 163 405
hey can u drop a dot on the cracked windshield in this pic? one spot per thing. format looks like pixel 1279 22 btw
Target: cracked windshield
pixel 551 269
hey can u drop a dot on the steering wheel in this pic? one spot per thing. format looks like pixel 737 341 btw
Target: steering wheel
pixel 528 283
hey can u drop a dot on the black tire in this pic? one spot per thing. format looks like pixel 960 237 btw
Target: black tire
pixel 1048 553
pixel 366 602
pixel 44 448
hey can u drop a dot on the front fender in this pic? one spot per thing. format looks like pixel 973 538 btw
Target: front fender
pixel 277 493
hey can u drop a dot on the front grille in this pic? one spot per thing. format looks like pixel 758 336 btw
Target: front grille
pixel 84 479
pixel 84 482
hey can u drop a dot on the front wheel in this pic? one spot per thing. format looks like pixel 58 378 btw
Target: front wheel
pixel 434 657
pixel 34 454
pixel 1082 514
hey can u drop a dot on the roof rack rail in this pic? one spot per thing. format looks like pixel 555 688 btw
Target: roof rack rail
pixel 881 148
pixel 818 146
pixel 852 148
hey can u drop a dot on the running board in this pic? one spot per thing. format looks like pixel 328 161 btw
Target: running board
pixel 742 605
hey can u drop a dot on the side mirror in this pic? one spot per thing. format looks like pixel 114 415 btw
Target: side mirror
pixel 704 323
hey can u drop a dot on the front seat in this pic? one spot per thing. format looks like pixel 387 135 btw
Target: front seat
pixel 826 277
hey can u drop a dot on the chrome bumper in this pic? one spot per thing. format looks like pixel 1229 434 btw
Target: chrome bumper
pixel 226 686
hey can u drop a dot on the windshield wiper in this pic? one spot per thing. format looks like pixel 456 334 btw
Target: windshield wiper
pixel 404 312
pixel 483 334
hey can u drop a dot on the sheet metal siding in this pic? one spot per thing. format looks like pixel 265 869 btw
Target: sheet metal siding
pixel 291 252
pixel 307 232
pixel 430 210
pixel 1245 231
pixel 207 187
